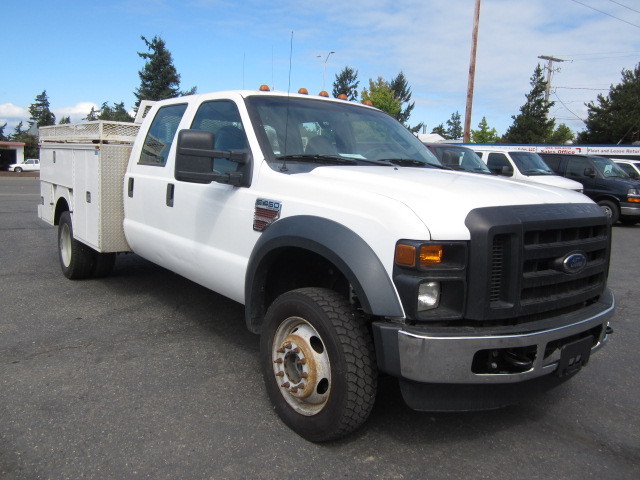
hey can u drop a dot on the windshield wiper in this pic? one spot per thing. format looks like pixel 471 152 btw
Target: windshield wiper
pixel 408 162
pixel 324 159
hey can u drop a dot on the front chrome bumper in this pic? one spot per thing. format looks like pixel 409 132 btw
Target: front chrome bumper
pixel 447 359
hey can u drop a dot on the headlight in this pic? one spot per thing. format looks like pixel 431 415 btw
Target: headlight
pixel 428 296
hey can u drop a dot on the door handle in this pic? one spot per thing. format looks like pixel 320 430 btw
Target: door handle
pixel 170 190
pixel 130 188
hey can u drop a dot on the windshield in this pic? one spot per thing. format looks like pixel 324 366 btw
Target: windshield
pixel 306 133
pixel 608 169
pixel 530 163
pixel 460 158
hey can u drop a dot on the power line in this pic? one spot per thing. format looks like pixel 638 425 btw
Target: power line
pixel 605 13
pixel 568 109
pixel 583 88
pixel 618 3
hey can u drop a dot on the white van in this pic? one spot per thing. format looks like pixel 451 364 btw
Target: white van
pixel 522 165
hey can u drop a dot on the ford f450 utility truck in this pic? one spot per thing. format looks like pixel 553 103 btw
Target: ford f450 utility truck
pixel 353 251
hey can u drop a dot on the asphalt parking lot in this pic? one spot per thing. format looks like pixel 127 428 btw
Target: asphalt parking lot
pixel 146 375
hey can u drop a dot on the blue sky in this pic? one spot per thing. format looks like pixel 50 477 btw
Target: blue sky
pixel 84 53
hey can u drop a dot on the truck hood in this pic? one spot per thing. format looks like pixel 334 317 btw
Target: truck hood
pixel 554 181
pixel 441 199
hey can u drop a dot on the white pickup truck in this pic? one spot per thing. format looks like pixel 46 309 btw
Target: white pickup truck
pixel 353 251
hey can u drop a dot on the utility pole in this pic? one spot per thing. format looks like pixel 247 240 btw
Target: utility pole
pixel 549 69
pixel 324 72
pixel 472 73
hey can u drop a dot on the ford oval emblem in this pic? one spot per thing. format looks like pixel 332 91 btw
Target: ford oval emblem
pixel 574 262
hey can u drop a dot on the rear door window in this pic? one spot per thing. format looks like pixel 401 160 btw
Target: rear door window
pixel 161 134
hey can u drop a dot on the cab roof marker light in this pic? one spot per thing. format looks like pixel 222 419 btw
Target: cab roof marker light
pixel 323 93
pixel 264 88
pixel 342 96
pixel 303 91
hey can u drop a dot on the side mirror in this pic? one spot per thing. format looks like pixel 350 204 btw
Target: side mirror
pixel 507 171
pixel 589 172
pixel 195 155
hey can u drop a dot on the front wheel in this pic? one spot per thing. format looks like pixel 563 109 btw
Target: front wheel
pixel 611 209
pixel 17 170
pixel 318 363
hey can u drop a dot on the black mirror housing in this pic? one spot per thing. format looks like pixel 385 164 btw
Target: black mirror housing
pixel 195 154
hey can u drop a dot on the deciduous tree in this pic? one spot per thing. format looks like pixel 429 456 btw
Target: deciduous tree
pixel 382 97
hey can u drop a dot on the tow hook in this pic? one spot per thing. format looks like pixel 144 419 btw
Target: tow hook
pixel 608 330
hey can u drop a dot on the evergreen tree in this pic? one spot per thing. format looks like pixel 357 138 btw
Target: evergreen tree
pixel 92 115
pixel 454 126
pixel 64 120
pixel 382 97
pixel 41 116
pixel 484 134
pixel 532 124
pixel 561 135
pixel 117 113
pixel 402 92
pixel 30 141
pixel 616 117
pixel 346 82
pixel 3 137
pixel 159 78
pixel 440 130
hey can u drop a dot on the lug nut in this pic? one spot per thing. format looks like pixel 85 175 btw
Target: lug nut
pixel 280 374
pixel 278 360
pixel 285 385
pixel 302 361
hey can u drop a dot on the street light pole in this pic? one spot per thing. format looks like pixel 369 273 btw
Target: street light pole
pixel 324 71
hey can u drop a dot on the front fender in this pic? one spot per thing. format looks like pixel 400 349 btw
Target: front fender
pixel 338 244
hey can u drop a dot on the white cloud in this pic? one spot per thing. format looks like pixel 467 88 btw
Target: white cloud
pixel 77 112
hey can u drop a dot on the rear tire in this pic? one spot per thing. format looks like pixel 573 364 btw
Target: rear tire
pixel 76 259
pixel 611 209
pixel 318 363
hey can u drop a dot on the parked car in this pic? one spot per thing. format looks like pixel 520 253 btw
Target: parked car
pixel 630 167
pixel 604 182
pixel 521 165
pixel 29 165
pixel 456 157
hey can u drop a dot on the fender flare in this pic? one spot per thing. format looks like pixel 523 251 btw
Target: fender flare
pixel 338 244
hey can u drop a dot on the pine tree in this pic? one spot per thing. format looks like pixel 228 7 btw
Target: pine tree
pixel 117 113
pixel 159 78
pixel 92 115
pixel 346 82
pixel 3 137
pixel 616 117
pixel 440 130
pixel 484 134
pixel 454 126
pixel 64 120
pixel 561 135
pixel 41 116
pixel 532 124
pixel 402 92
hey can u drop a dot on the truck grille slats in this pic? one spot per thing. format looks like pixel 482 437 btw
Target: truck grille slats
pixel 536 269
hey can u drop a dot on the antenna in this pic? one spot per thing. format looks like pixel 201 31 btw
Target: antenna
pixel 284 168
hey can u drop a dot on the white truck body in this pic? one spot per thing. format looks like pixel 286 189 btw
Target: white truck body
pixel 227 190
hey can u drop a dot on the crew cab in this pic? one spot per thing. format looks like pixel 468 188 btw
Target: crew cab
pixel 352 249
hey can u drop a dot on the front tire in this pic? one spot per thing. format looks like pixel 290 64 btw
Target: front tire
pixel 318 363
pixel 611 209
pixel 17 170
pixel 76 259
